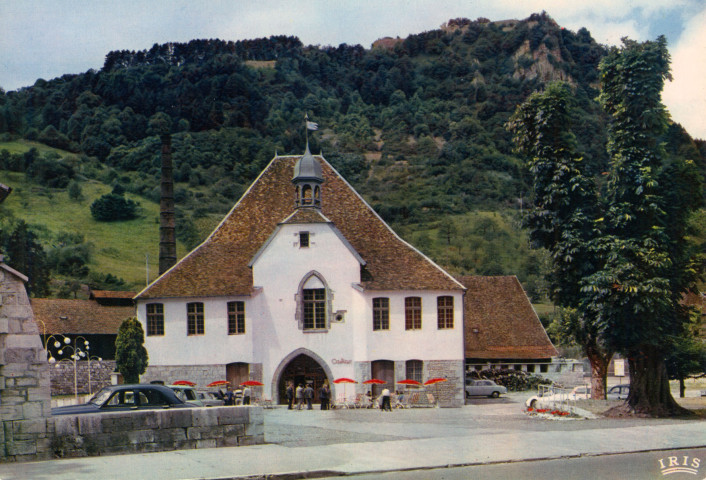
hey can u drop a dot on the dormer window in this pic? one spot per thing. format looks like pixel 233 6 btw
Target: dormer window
pixel 303 239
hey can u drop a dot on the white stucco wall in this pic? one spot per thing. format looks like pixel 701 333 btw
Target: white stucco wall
pixel 273 332
pixel 215 346
pixel 279 270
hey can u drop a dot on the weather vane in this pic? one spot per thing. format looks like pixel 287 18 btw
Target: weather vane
pixel 309 126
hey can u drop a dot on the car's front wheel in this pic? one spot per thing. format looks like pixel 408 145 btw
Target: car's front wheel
pixel 495 395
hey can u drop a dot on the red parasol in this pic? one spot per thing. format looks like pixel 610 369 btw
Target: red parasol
pixel 433 381
pixel 344 381
pixel 184 382
pixel 375 381
pixel 407 381
pixel 252 383
pixel 219 383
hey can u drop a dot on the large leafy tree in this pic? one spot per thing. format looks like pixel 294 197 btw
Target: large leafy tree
pixel 130 353
pixel 636 296
pixel 564 215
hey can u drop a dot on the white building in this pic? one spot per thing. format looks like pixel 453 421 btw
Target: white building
pixel 302 281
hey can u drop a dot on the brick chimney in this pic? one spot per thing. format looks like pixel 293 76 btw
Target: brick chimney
pixel 167 236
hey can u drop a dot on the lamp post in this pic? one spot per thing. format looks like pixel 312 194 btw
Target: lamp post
pixel 76 354
pixel 88 359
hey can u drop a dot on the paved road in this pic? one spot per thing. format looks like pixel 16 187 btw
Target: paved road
pixel 643 465
pixel 313 444
pixel 480 416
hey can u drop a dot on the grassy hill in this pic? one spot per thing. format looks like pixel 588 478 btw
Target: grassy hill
pixel 119 248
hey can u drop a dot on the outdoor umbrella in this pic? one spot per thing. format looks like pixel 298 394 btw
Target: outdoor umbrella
pixel 219 383
pixel 434 381
pixel 409 382
pixel 252 383
pixel 344 381
pixel 374 381
pixel 184 382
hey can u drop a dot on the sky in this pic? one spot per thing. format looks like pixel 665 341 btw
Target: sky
pixel 49 38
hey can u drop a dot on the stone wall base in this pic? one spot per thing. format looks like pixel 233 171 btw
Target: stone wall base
pixel 157 430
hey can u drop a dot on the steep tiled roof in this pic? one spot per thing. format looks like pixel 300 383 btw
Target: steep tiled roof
pixel 111 294
pixel 219 266
pixel 85 317
pixel 507 325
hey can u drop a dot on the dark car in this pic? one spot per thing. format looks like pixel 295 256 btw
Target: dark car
pixel 118 398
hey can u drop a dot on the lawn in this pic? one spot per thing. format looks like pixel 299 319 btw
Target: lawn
pixel 123 249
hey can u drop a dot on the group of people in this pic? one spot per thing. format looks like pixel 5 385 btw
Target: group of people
pixel 237 397
pixel 305 394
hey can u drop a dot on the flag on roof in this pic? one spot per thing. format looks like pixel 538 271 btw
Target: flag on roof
pixel 312 125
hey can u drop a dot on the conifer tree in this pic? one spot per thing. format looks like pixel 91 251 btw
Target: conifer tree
pixel 131 357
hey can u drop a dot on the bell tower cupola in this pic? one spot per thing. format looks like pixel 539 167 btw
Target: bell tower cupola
pixel 307 180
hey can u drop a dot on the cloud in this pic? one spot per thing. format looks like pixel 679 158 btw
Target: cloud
pixel 685 96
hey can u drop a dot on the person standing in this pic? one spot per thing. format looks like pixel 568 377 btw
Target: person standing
pixel 230 399
pixel 309 396
pixel 300 396
pixel 385 400
pixel 324 395
pixel 290 395
pixel 246 395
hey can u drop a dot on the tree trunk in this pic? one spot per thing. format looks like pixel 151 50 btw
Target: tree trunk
pixel 649 385
pixel 682 387
pixel 599 370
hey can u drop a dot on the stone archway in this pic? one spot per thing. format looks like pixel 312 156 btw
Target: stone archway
pixel 301 366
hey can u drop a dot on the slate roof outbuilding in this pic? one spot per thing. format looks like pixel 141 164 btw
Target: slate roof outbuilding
pixel 507 326
pixel 219 266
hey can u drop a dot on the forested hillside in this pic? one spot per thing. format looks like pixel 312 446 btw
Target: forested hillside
pixel 417 125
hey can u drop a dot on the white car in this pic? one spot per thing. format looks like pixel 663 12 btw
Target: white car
pixel 483 388
pixel 555 396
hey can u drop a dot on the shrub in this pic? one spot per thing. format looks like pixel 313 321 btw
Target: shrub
pixel 112 207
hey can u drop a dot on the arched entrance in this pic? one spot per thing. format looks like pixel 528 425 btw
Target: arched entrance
pixel 301 367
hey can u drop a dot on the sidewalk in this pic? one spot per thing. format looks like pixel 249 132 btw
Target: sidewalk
pixel 426 447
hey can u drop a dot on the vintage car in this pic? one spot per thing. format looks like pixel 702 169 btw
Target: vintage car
pixel 483 388
pixel 552 397
pixel 116 398
pixel 618 392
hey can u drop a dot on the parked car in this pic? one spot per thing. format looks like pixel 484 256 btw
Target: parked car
pixel 209 398
pixel 116 398
pixel 554 396
pixel 618 392
pixel 483 388
pixel 202 398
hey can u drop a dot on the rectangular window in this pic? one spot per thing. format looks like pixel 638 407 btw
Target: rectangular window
pixel 314 308
pixel 413 313
pixel 445 310
pixel 236 318
pixel 414 370
pixel 194 319
pixel 155 319
pixel 303 239
pixel 381 313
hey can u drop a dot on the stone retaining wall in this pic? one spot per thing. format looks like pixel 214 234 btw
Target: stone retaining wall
pixel 62 376
pixel 157 430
